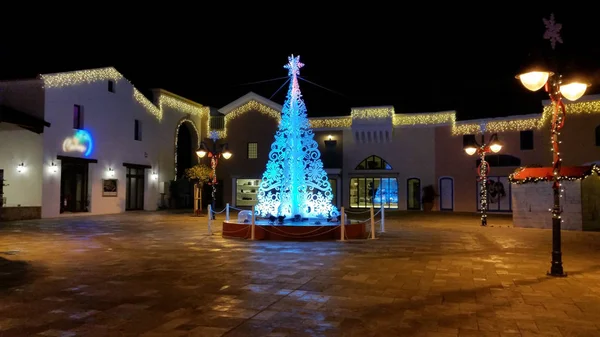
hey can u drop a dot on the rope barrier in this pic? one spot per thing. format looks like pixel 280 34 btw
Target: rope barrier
pixel 293 237
pixel 357 212
pixel 278 230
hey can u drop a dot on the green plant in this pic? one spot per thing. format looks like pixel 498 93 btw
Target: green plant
pixel 429 194
pixel 199 173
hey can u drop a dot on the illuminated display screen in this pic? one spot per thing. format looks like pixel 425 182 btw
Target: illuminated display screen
pixel 81 142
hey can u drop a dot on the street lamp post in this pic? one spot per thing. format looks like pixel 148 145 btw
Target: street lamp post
pixel 484 168
pixel 534 78
pixel 217 151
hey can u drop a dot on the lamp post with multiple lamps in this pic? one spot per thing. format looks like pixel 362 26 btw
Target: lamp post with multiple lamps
pixel 218 151
pixel 484 167
pixel 571 88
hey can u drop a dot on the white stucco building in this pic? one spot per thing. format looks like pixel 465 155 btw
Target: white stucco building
pixel 89 142
pixel 107 148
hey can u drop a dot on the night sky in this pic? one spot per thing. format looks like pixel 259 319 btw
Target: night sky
pixel 462 59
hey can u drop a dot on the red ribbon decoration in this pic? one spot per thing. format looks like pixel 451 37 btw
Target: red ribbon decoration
pixel 558 121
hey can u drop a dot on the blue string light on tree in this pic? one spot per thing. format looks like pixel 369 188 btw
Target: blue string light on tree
pixel 295 183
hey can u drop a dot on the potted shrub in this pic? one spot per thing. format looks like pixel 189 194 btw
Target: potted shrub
pixel 428 198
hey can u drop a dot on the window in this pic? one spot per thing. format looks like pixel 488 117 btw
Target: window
pixel 498 194
pixel 598 135
pixel 527 140
pixel 373 191
pixel 77 117
pixel 137 132
pixel 373 163
pixel 111 86
pixel 252 150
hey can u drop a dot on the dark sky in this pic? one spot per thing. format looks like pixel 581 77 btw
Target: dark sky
pixel 415 59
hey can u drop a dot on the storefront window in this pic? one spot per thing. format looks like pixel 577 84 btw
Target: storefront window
pixel 246 190
pixel 366 192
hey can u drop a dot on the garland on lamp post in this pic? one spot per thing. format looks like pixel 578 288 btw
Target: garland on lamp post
pixel 534 79
pixel 217 151
pixel 484 168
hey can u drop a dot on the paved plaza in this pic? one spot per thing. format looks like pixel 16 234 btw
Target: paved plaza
pixel 160 274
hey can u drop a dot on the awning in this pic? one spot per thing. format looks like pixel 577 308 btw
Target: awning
pixel 21 119
pixel 535 174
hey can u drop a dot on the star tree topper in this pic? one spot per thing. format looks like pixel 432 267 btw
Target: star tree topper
pixel 552 32
pixel 294 65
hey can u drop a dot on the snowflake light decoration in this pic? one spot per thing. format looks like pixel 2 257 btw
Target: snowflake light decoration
pixel 294 65
pixel 214 135
pixel 295 182
pixel 552 32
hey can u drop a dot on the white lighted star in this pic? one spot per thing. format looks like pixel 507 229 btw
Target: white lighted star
pixel 552 32
pixel 293 66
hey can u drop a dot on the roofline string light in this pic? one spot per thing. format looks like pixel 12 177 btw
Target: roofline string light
pixel 375 113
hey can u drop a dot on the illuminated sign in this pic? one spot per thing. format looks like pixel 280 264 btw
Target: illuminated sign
pixel 80 142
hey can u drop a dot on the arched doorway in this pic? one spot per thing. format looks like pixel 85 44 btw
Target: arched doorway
pixel 186 143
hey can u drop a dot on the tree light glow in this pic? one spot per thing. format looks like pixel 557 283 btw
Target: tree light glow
pixel 295 182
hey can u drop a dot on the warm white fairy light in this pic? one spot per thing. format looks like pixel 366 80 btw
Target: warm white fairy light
pixel 251 105
pixel 436 118
pixel 141 99
pixel 372 113
pixel 80 77
pixel 182 106
pixel 189 121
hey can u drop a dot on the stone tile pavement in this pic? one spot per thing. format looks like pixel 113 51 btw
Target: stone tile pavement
pixel 159 274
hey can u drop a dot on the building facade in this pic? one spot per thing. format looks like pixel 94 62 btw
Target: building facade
pixel 108 148
pixel 100 146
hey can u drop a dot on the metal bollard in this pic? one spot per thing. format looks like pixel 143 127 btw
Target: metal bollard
pixel 252 232
pixel 209 220
pixel 342 226
pixel 372 223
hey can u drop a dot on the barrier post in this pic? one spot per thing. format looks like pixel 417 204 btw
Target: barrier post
pixel 209 220
pixel 372 223
pixel 227 212
pixel 252 235
pixel 342 226
pixel 382 219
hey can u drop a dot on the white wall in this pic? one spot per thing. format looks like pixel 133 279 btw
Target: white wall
pixel 410 153
pixel 21 146
pixel 172 116
pixel 531 203
pixel 109 118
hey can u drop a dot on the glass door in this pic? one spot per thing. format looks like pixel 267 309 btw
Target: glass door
pixel 74 186
pixel 134 199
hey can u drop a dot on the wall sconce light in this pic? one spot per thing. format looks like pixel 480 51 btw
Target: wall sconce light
pixel 21 168
pixel 330 143
pixel 154 175
pixel 53 168
pixel 111 172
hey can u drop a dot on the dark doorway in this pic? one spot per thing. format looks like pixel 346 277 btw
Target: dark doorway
pixel 185 149
pixel 74 186
pixel 413 194
pixel 134 199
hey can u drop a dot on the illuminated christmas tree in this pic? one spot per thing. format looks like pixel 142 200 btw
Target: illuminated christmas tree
pixel 295 182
